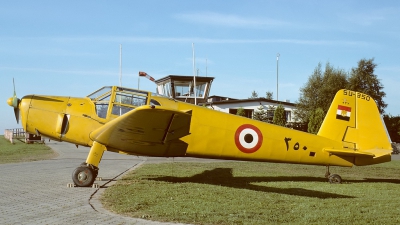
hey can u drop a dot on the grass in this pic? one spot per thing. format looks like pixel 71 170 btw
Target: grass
pixel 257 193
pixel 21 152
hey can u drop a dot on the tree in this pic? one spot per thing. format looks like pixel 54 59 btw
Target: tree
pixel 319 91
pixel 363 79
pixel 241 112
pixel 260 114
pixel 393 127
pixel 279 116
pixel 316 119
pixel 268 95
pixel 270 114
pixel 253 95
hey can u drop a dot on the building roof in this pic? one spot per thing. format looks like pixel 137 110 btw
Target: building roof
pixel 250 100
pixel 221 97
pixel 183 78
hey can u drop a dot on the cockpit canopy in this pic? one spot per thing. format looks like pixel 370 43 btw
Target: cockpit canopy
pixel 116 101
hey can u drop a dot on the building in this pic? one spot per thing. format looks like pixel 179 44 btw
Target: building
pixel 229 105
pixel 186 89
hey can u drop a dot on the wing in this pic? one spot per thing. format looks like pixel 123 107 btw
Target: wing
pixel 146 130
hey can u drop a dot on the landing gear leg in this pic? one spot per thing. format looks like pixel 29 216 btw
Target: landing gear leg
pixel 86 173
pixel 334 178
pixel 327 173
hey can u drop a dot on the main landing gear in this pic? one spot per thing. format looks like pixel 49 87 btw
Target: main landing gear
pixel 333 178
pixel 86 173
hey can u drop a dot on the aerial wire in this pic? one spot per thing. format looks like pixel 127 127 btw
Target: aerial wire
pixel 194 75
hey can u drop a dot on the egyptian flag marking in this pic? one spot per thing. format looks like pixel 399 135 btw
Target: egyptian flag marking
pixel 343 113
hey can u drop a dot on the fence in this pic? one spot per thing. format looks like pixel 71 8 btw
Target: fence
pixel 19 133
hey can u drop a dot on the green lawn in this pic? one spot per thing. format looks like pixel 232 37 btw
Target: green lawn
pixel 21 152
pixel 257 193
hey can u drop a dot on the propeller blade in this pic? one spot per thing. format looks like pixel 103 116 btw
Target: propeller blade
pixel 15 94
pixel 16 112
pixel 14 102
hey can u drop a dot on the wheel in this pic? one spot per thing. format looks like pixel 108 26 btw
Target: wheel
pixel 335 179
pixel 83 176
pixel 95 169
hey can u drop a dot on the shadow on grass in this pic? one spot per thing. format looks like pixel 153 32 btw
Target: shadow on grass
pixel 375 180
pixel 224 177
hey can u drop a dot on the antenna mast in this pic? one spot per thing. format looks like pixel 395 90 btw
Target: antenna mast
pixel 194 76
pixel 206 67
pixel 120 65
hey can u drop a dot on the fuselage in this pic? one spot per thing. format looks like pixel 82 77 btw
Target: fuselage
pixel 213 134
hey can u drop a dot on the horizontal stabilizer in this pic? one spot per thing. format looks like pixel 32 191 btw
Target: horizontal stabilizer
pixel 373 153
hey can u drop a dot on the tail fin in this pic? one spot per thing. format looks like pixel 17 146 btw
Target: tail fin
pixel 353 118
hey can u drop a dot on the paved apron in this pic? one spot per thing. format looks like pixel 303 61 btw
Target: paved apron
pixel 37 192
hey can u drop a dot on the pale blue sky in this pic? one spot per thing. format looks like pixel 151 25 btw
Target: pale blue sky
pixel 72 47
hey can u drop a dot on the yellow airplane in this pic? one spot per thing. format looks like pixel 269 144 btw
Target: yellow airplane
pixel 136 122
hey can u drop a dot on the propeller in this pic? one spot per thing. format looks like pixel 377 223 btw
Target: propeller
pixel 14 102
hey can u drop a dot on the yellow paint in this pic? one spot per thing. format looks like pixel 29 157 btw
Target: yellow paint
pixel 135 122
pixel 95 154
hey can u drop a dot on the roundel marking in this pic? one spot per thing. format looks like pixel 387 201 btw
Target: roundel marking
pixel 248 138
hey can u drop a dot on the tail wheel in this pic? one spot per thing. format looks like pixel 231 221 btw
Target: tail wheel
pixel 335 179
pixel 84 176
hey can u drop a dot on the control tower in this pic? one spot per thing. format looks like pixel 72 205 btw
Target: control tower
pixel 185 88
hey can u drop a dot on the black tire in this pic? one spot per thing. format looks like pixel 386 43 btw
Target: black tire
pixel 335 179
pixel 95 169
pixel 83 176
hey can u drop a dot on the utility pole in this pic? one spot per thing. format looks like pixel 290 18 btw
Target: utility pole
pixel 120 65
pixel 277 74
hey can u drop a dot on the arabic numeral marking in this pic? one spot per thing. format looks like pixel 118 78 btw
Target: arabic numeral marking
pixel 296 146
pixel 287 143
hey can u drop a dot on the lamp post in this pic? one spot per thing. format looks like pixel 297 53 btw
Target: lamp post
pixel 277 73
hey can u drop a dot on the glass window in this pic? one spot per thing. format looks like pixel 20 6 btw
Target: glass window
pixel 99 93
pixel 270 114
pixel 288 116
pixel 101 109
pixel 120 110
pixel 128 99
pixel 200 89
pixel 167 89
pixel 185 89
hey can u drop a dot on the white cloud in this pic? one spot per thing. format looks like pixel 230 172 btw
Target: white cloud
pixel 228 20
pixel 368 18
pixel 120 39
pixel 52 71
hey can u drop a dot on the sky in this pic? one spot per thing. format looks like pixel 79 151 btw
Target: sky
pixel 72 48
